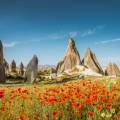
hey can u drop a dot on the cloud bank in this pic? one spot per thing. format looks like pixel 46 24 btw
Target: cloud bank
pixel 108 41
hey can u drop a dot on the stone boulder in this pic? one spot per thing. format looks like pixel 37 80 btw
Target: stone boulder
pixel 71 58
pixel 2 69
pixel 90 61
pixel 112 69
pixel 32 70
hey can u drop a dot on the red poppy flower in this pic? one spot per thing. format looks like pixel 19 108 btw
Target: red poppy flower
pixel 51 100
pixel 1 94
pixel 99 107
pixel 108 105
pixel 22 116
pixel 90 114
pixel 54 114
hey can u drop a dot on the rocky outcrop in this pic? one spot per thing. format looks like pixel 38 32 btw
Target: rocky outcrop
pixel 21 69
pixel 112 69
pixel 6 66
pixel 90 61
pixel 32 70
pixel 13 66
pixel 71 58
pixel 53 73
pixel 2 69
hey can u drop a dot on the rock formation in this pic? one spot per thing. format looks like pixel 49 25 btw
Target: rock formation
pixel 6 65
pixel 71 58
pixel 21 69
pixel 2 69
pixel 53 73
pixel 90 61
pixel 32 70
pixel 13 66
pixel 112 69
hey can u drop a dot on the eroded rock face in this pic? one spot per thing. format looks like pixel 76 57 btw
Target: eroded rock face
pixel 71 58
pixel 6 66
pixel 2 69
pixel 112 69
pixel 13 66
pixel 32 70
pixel 53 73
pixel 21 69
pixel 90 61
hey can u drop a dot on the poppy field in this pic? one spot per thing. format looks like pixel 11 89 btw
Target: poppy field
pixel 88 99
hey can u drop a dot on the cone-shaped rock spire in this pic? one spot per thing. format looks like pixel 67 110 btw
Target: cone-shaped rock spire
pixel 13 66
pixel 71 58
pixel 90 61
pixel 21 69
pixel 112 69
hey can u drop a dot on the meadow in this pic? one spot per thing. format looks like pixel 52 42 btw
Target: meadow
pixel 85 99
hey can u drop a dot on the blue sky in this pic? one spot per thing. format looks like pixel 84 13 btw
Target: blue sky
pixel 42 27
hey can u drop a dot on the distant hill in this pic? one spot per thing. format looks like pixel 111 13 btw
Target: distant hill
pixel 45 67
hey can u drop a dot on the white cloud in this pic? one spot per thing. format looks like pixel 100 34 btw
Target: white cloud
pixel 108 41
pixel 10 45
pixel 92 31
pixel 88 32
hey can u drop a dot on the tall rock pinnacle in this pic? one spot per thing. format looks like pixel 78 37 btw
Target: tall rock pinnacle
pixel 71 58
pixel 90 61
pixel 32 70
pixel 2 69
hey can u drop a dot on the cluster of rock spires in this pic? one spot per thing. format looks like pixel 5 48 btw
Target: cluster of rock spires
pixel 70 63
pixel 31 70
pixel 88 66
pixel 112 69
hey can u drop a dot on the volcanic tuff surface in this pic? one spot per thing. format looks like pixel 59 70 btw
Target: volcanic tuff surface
pixel 90 61
pixel 32 69
pixel 2 69
pixel 71 58
pixel 112 69
pixel 13 66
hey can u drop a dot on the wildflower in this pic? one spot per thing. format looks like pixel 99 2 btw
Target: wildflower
pixel 99 107
pixel 51 100
pixel 71 104
pixel 19 90
pixel 78 105
pixel 1 94
pixel 109 105
pixel 90 114
pixel 22 116
pixel 54 114
pixel 3 109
